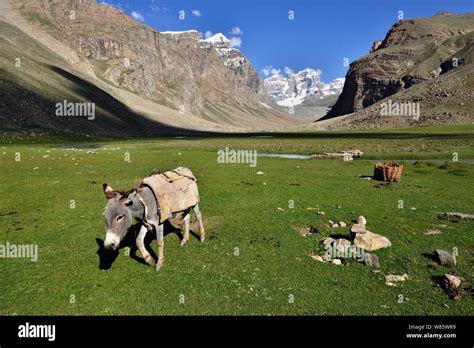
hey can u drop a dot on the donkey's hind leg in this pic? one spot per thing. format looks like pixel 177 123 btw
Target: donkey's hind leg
pixel 187 220
pixel 202 232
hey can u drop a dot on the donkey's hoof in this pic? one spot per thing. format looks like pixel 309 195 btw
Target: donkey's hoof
pixel 183 241
pixel 149 260
pixel 158 266
pixel 202 239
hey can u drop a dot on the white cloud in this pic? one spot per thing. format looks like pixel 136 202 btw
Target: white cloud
pixel 196 13
pixel 235 41
pixel 237 31
pixel 207 34
pixel 138 16
pixel 288 71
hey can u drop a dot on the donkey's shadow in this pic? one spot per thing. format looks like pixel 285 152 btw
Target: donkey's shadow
pixel 108 257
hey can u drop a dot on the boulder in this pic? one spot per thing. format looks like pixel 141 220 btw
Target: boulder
pixel 371 241
pixel 337 262
pixel 358 228
pixel 342 246
pixel 342 224
pixel 328 241
pixel 445 258
pixel 362 220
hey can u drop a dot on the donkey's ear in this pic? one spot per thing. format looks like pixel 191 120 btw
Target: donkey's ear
pixel 109 191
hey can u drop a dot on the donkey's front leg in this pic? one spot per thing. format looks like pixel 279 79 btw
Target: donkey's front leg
pixel 160 243
pixel 141 245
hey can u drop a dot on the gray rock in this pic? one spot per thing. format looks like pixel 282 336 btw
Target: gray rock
pixel 328 241
pixel 445 258
pixel 342 224
pixel 371 260
pixel 342 245
pixel 453 281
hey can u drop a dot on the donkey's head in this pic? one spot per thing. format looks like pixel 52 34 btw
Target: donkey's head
pixel 118 215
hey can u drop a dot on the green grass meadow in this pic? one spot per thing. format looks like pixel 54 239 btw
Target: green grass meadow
pixel 254 261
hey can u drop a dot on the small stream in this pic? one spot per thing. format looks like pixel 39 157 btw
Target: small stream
pixel 436 160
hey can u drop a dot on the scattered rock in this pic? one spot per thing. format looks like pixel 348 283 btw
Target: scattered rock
pixel 331 222
pixel 453 281
pixel 334 225
pixel 259 173
pixel 371 260
pixel 371 241
pixel 321 213
pixel 391 279
pixel 452 284
pixel 432 231
pixel 342 224
pixel 455 216
pixel 317 258
pixel 306 231
pixel 337 262
pixel 365 177
pixel 445 258
pixel 376 271
pixel 441 226
pixel 280 209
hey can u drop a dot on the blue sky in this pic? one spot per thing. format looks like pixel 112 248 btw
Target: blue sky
pixel 321 35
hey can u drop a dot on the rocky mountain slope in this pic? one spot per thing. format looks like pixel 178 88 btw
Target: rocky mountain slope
pixel 424 60
pixel 163 79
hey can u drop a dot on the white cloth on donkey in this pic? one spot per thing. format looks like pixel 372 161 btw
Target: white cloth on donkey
pixel 175 191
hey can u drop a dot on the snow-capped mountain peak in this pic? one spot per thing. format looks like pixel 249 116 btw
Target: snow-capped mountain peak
pixel 296 88
pixel 218 39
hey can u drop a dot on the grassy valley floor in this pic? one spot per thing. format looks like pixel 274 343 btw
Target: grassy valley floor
pixel 254 261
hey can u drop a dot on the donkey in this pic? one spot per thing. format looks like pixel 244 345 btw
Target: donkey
pixel 157 198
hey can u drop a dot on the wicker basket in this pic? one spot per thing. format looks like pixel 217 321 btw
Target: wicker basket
pixel 388 171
